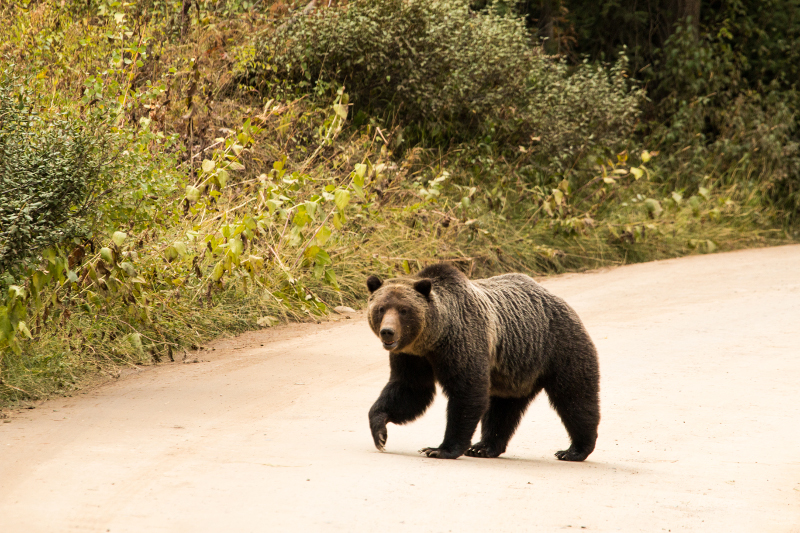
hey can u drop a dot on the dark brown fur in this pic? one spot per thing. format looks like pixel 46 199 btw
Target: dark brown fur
pixel 492 345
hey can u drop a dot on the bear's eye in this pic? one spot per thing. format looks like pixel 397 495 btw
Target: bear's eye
pixel 381 310
pixel 403 311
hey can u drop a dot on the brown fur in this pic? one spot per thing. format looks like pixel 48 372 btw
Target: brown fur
pixel 492 345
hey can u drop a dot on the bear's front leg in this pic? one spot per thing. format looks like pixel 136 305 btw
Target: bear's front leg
pixel 464 411
pixel 408 394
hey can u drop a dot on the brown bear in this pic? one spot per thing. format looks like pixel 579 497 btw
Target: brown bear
pixel 492 344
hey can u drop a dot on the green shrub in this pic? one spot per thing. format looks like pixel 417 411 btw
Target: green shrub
pixel 50 173
pixel 450 74
pixel 716 122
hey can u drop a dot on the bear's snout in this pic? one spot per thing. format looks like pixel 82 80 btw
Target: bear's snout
pixel 390 330
pixel 387 335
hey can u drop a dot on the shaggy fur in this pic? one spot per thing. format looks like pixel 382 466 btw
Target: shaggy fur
pixel 492 344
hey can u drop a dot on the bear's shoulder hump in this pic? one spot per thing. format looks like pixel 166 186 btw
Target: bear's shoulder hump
pixel 442 272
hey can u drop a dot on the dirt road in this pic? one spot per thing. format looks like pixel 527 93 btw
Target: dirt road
pixel 700 361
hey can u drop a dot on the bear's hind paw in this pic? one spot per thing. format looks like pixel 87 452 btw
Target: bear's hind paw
pixel 482 449
pixel 439 453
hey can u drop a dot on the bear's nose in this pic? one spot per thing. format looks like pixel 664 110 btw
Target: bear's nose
pixel 387 334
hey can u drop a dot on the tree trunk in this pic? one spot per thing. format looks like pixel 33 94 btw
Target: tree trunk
pixel 546 32
pixel 690 9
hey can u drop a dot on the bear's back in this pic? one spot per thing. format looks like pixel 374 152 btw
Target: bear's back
pixel 532 327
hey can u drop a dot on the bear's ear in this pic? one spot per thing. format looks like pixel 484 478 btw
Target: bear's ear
pixel 374 283
pixel 423 287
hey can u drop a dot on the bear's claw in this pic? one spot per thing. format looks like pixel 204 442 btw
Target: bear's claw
pixel 572 454
pixel 439 453
pixel 482 449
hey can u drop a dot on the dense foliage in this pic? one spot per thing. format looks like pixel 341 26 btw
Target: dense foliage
pixel 50 173
pixel 722 79
pixel 447 74
pixel 174 171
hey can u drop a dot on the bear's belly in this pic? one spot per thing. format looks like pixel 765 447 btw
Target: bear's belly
pixel 507 386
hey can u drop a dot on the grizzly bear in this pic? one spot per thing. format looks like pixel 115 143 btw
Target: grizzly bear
pixel 492 345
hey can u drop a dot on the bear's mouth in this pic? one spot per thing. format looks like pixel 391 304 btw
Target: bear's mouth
pixel 391 346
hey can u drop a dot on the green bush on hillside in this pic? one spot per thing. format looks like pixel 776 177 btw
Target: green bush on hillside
pixel 450 74
pixel 50 171
pixel 716 122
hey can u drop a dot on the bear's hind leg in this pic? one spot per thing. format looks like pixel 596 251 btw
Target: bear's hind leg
pixel 498 425
pixel 577 403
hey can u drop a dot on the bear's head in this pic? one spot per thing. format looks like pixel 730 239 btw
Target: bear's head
pixel 397 310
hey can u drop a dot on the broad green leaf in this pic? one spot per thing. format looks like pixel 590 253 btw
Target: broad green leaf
pixel 222 177
pixel 119 237
pixel 322 236
pixel 361 170
pixel 311 208
pixel 237 247
pixel 218 271
pixel 107 255
pixel 322 257
pixel 16 292
pixel 301 218
pixel 6 329
pixel 330 278
pixel 341 198
pixel 548 206
pixel 72 276
pixel 180 247
pixel 208 166
pixel 15 347
pixel 311 252
pixel 558 196
pixel 256 262
pixel 39 279
pixel 341 111
pixel 646 156
pixel 637 172
pixel 192 193
pixel 128 268
pixel 23 328
pixel 171 253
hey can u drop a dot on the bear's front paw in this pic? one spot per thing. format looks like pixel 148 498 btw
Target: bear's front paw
pixel 573 454
pixel 377 424
pixel 483 449
pixel 440 453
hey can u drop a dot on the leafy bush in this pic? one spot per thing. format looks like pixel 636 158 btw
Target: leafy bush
pixel 714 122
pixel 50 174
pixel 452 73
